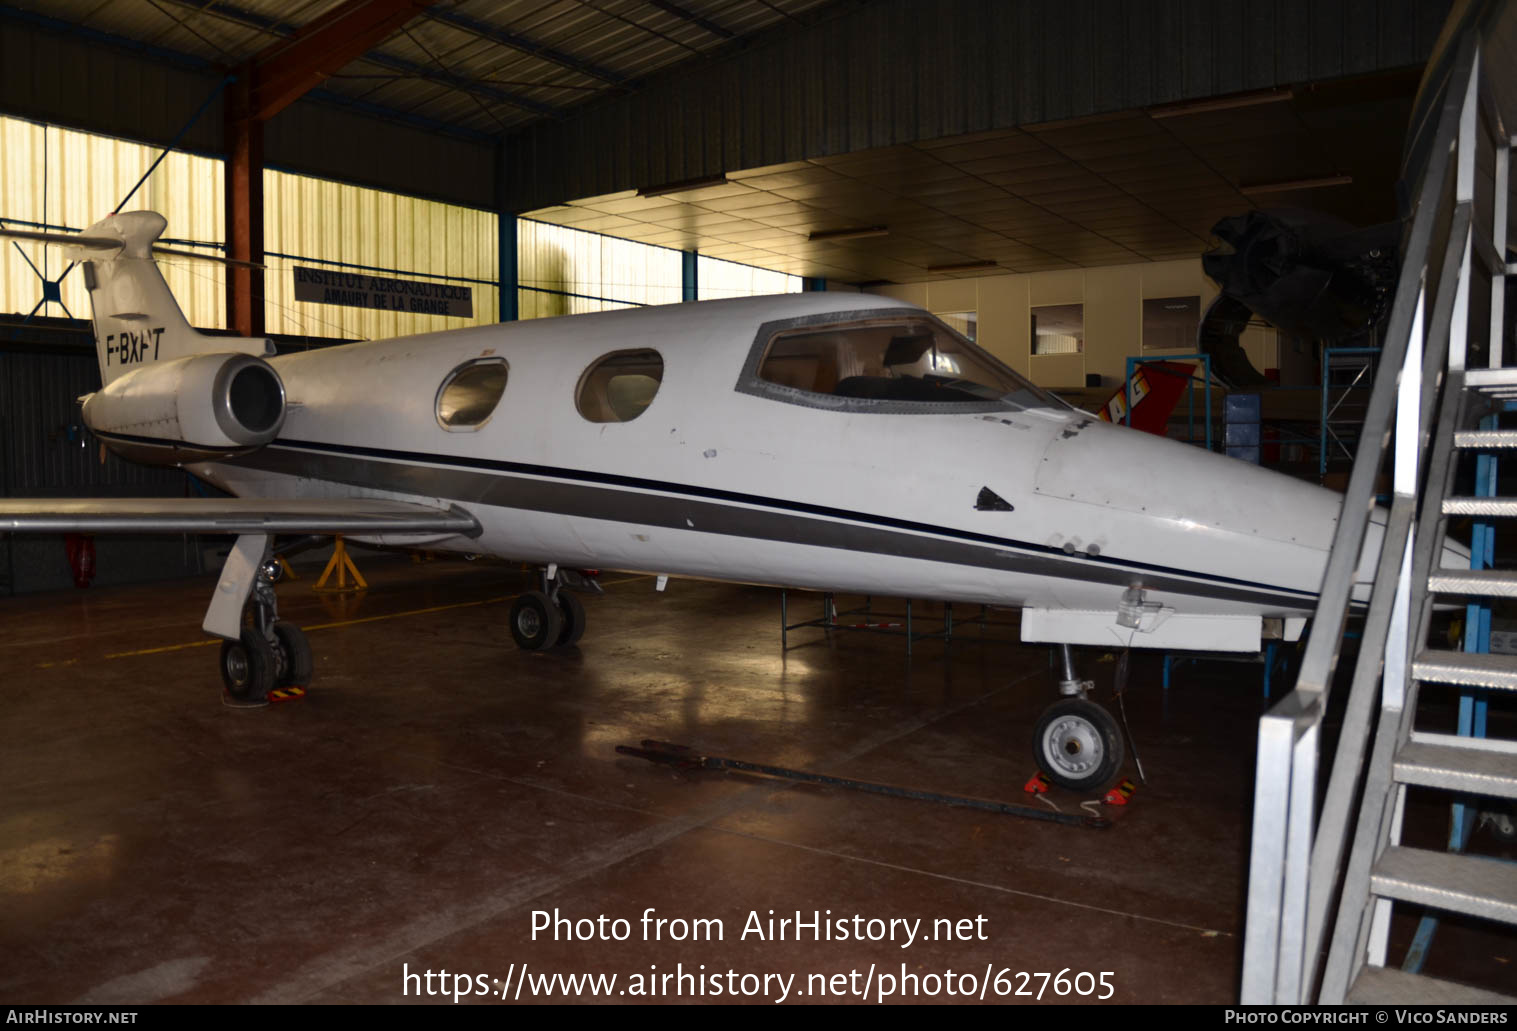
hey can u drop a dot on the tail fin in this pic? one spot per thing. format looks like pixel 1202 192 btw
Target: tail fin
pixel 137 320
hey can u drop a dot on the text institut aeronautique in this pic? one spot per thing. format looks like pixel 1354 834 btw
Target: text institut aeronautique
pixel 875 983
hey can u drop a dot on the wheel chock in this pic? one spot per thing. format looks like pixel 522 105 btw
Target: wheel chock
pixel 293 693
pixel 1038 785
pixel 1121 794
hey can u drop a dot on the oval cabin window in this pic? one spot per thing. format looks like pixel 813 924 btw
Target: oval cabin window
pixel 469 395
pixel 620 386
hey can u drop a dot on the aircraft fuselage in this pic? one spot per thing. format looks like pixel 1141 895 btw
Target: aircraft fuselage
pixel 716 482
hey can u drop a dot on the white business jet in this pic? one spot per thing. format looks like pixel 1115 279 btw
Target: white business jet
pixel 827 441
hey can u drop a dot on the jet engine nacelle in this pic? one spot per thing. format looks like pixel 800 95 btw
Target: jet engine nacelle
pixel 202 406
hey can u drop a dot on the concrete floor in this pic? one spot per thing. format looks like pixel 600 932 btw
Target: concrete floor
pixel 438 786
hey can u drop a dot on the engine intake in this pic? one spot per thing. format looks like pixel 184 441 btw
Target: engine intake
pixel 249 400
pixel 202 406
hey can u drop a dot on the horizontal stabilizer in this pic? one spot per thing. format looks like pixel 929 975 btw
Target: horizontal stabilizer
pixel 87 248
pixel 229 515
pixel 108 244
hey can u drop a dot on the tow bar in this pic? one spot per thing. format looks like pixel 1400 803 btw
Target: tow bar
pixel 684 758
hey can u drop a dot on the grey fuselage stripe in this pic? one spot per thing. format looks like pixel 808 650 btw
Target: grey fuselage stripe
pixel 508 491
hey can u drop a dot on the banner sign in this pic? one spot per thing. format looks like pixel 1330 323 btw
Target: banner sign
pixel 360 290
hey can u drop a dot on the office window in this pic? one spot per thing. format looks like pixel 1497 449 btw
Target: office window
pixel 1058 329
pixel 1171 323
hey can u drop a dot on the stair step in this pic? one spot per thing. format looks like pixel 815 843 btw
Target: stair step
pixel 1491 381
pixel 1455 768
pixel 1488 507
pixel 1389 986
pixel 1473 885
pixel 1470 669
pixel 1491 583
pixel 1485 440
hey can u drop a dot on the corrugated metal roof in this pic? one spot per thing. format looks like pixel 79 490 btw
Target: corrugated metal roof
pixel 490 66
pixel 1102 190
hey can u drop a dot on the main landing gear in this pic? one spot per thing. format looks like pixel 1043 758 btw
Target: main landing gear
pixel 1076 741
pixel 553 617
pixel 269 653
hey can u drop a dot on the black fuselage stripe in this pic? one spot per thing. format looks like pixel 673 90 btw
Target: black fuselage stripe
pixel 717 494
pixel 536 489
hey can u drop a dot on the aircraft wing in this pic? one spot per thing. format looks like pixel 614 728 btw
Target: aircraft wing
pixel 230 516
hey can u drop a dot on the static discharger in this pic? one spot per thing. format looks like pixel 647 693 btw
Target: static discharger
pixel 682 757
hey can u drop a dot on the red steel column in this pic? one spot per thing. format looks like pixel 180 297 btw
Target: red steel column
pixel 265 86
pixel 244 208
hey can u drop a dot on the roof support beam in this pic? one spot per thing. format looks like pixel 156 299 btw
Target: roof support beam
pixel 516 41
pixel 441 76
pixel 292 67
pixel 685 14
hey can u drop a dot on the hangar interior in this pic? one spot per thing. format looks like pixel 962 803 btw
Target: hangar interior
pixel 1042 178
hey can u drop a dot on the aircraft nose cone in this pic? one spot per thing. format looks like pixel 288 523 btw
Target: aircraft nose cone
pixel 1183 486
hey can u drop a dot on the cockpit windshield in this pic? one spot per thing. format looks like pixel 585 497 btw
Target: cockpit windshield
pixel 906 359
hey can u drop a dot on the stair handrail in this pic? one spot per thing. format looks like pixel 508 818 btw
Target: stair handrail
pixel 1295 860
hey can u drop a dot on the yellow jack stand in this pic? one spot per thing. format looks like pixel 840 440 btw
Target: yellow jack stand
pixel 343 565
pixel 286 572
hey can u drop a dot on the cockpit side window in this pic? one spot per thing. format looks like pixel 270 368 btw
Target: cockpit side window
pixel 894 361
pixel 470 394
pixel 620 386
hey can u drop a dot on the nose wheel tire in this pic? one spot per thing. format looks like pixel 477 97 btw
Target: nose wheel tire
pixel 536 622
pixel 1078 745
pixel 573 611
pixel 247 668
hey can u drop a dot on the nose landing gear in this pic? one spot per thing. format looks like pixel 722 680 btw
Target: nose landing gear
pixel 1076 742
pixel 1078 745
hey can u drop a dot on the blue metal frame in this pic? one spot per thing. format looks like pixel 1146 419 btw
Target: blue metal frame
pixel 507 261
pixel 1190 426
pixel 690 276
pixel 1270 658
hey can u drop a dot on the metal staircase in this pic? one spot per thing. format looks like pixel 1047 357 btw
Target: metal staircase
pixel 1318 930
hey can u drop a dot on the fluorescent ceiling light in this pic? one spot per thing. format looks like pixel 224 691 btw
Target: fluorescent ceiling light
pixel 963 266
pixel 682 186
pixel 856 233
pixel 1295 184
pixel 1237 100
